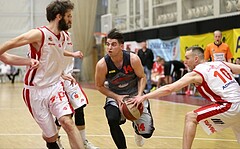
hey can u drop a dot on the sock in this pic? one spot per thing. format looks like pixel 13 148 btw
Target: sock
pixel 83 135
pixel 52 145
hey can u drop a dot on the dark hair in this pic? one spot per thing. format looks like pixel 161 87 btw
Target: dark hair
pixel 58 7
pixel 197 50
pixel 115 34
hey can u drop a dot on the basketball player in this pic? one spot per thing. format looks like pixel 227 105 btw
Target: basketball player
pixel 43 91
pixel 216 83
pixel 77 96
pixel 125 75
pixel 18 60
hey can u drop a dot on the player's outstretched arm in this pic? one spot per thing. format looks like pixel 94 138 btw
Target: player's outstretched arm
pixel 187 79
pixel 33 36
pixel 11 59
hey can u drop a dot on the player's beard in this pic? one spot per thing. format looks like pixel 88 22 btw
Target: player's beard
pixel 63 26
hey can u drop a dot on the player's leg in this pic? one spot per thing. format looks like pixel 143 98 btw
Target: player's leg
pixel 80 123
pixel 58 139
pixel 78 100
pixel 114 117
pixel 73 135
pixel 42 116
pixel 144 125
pixel 209 117
pixel 60 102
pixel 189 129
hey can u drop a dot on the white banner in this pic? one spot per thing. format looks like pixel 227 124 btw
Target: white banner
pixel 167 49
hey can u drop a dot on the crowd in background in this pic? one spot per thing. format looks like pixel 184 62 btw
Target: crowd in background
pixel 160 72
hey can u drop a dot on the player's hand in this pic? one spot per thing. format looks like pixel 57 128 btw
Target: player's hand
pixel 69 78
pixel 34 64
pixel 120 99
pixel 78 54
pixel 137 100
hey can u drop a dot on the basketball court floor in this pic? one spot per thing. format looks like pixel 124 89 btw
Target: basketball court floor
pixel 18 130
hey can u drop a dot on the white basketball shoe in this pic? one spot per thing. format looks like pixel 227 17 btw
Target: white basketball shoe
pixel 139 140
pixel 59 143
pixel 89 145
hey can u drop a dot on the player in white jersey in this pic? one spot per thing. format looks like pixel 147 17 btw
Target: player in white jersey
pixel 75 93
pixel 216 83
pixel 43 91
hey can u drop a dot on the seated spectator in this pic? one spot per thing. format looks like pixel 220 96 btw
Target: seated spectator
pixel 157 75
pixel 13 73
pixel 173 70
pixel 5 68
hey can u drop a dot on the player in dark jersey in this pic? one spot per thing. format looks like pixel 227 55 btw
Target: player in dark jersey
pixel 125 76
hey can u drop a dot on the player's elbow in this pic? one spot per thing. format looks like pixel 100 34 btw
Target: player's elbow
pixel 168 89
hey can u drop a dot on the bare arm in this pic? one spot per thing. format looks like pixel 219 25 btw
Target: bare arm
pixel 18 60
pixel 138 69
pixel 77 54
pixel 100 77
pixel 187 79
pixel 33 36
pixel 234 67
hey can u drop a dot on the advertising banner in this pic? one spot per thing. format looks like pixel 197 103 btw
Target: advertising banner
pixel 167 49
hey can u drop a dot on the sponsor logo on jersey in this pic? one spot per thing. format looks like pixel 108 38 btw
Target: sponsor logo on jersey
pixel 122 85
pixel 112 71
pixel 75 95
pixel 227 84
pixel 51 44
pixel 50 38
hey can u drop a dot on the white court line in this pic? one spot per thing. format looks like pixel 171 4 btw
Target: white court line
pixel 129 136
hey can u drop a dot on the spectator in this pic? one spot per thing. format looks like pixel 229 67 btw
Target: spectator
pixel 128 47
pixel 157 76
pixel 173 71
pixel 5 68
pixel 217 51
pixel 13 72
pixel 146 56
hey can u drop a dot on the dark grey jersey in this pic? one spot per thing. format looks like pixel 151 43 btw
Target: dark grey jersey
pixel 121 81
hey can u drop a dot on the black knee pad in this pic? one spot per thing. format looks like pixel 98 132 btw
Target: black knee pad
pixel 57 123
pixel 79 117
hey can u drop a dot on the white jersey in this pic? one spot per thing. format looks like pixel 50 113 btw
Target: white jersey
pixel 68 61
pixel 218 83
pixel 50 56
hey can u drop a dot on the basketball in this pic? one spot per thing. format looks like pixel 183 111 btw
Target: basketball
pixel 129 112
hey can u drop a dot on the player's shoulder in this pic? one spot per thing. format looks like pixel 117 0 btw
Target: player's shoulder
pixel 101 62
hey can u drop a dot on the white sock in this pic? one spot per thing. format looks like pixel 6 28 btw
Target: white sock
pixel 83 135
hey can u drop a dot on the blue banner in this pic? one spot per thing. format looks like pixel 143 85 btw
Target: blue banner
pixel 167 49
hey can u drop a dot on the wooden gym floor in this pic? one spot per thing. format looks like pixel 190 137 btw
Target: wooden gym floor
pixel 18 130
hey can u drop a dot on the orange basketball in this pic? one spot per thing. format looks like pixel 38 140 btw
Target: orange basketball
pixel 129 112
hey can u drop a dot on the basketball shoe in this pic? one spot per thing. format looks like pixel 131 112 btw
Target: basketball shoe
pixel 139 140
pixel 89 145
pixel 59 143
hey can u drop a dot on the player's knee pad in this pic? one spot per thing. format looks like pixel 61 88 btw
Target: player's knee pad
pixel 57 122
pixel 79 117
